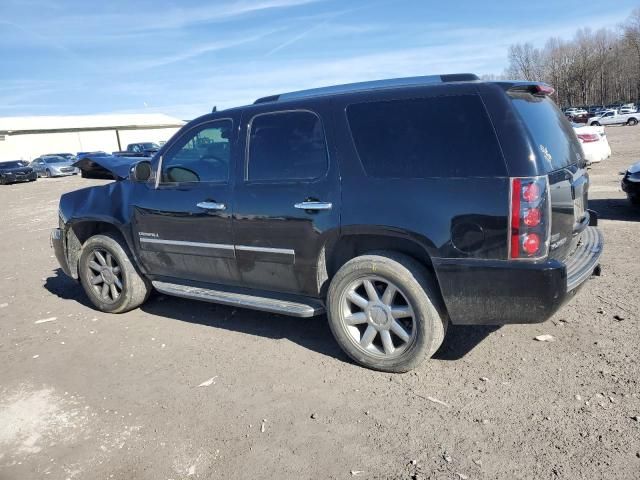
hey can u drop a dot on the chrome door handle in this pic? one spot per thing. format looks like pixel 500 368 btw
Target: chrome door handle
pixel 212 206
pixel 313 205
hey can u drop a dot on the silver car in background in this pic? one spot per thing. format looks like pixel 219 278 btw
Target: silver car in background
pixel 54 166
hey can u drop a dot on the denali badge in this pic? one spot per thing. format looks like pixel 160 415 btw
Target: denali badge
pixel 146 234
pixel 546 153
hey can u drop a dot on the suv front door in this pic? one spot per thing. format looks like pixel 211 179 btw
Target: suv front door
pixel 182 221
pixel 287 197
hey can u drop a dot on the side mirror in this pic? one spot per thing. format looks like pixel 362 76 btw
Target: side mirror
pixel 140 172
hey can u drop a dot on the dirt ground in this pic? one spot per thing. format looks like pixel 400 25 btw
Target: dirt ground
pixel 90 395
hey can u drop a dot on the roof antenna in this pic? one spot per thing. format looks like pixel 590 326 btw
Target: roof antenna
pixel 214 109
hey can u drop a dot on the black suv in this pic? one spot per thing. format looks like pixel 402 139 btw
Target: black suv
pixel 397 206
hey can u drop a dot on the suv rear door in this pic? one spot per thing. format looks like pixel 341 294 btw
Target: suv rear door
pixel 287 196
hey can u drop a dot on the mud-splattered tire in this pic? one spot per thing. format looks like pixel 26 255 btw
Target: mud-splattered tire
pixel 109 276
pixel 385 311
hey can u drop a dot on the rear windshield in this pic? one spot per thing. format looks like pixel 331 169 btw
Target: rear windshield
pixel 550 130
pixel 448 136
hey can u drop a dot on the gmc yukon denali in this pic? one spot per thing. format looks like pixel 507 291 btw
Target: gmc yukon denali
pixel 395 207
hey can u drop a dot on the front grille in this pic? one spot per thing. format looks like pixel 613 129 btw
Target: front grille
pixel 66 169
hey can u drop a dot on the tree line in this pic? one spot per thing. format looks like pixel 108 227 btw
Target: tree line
pixel 594 68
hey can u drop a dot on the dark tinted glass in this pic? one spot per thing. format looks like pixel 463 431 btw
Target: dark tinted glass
pixel 202 155
pixel 425 137
pixel 286 146
pixel 551 132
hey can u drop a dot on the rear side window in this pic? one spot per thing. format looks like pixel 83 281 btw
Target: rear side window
pixel 448 136
pixel 286 146
pixel 552 134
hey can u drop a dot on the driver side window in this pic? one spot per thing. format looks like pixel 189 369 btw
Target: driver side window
pixel 201 155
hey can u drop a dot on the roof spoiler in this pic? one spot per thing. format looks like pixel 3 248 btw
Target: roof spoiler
pixel 538 89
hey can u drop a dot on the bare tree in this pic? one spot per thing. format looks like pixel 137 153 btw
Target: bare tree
pixel 598 68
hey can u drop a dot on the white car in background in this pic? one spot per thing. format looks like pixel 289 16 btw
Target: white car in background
pixel 593 141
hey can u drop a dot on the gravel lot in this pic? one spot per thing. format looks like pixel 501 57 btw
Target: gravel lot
pixel 90 395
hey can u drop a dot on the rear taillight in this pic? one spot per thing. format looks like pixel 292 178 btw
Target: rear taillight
pixel 530 218
pixel 588 137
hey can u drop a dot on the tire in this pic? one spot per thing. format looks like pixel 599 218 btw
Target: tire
pixel 595 124
pixel 634 200
pixel 49 173
pixel 131 288
pixel 632 122
pixel 399 349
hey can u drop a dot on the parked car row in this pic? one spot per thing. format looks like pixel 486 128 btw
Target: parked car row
pixel 610 115
pixel 65 164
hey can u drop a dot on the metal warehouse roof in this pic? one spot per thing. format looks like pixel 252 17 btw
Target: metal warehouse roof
pixel 76 123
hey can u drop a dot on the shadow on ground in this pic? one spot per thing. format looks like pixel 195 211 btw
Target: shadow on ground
pixel 312 333
pixel 65 287
pixel 615 209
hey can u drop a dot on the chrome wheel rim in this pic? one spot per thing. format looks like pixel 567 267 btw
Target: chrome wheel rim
pixel 105 276
pixel 377 317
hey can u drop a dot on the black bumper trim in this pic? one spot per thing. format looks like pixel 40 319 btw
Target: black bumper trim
pixel 57 243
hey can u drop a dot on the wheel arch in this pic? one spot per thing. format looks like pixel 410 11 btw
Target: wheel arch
pixel 79 231
pixel 351 244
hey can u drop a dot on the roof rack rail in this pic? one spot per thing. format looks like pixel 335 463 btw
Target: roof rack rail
pixel 371 85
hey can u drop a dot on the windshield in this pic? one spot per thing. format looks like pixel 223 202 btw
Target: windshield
pixel 55 160
pixel 550 131
pixel 13 164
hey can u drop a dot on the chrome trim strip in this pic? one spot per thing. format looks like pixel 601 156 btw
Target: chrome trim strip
pixel 220 246
pixel 283 251
pixel 313 205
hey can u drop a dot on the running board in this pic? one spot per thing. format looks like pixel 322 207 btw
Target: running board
pixel 297 307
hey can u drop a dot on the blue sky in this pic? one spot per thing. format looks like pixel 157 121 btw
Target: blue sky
pixel 183 57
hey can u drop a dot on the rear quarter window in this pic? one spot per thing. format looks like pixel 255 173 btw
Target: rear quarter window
pixel 448 136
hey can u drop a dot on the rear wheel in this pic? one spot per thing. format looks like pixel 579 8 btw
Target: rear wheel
pixel 385 313
pixel 109 277
pixel 596 124
pixel 632 122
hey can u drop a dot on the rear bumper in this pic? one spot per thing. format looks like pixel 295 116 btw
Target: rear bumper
pixel 498 292
pixel 57 243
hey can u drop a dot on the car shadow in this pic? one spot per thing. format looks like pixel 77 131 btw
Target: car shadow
pixel 311 333
pixel 615 209
pixel 65 287
pixel 461 339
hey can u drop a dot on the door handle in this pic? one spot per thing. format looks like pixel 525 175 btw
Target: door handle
pixel 314 205
pixel 211 205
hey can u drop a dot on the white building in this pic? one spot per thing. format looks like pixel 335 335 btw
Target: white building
pixel 25 138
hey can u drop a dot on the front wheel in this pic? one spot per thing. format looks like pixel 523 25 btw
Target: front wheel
pixel 632 122
pixel 109 277
pixel 385 313
pixel 595 124
pixel 49 173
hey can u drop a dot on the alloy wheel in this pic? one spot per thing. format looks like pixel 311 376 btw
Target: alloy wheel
pixel 377 317
pixel 105 276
